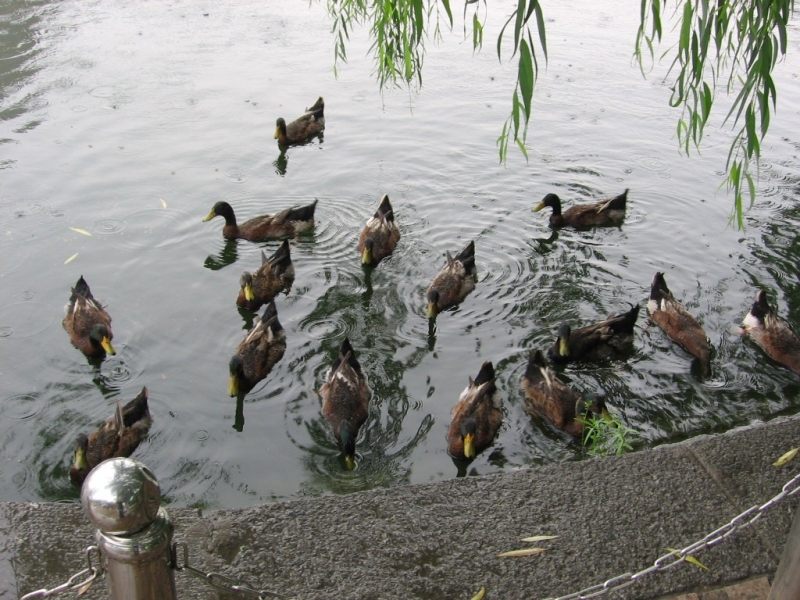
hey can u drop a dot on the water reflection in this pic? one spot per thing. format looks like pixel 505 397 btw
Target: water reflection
pixel 228 255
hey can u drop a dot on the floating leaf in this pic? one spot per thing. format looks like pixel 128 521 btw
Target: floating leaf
pixel 786 457
pixel 690 559
pixel 70 259
pixel 539 538
pixel 479 596
pixel 163 202
pixel 523 552
pixel 81 231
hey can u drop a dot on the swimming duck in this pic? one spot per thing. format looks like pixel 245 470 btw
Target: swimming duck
pixel 301 129
pixel 275 275
pixel 454 281
pixel 87 323
pixel 606 339
pixel 605 212
pixel 681 327
pixel 260 350
pixel 476 417
pixel 265 227
pixel 345 400
pixel 119 435
pixel 772 333
pixel 379 236
pixel 548 396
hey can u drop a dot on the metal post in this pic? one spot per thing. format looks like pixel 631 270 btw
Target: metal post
pixel 787 578
pixel 134 534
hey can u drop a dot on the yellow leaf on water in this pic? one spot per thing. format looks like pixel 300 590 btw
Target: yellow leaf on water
pixel 163 203
pixel 786 457
pixel 690 559
pixel 81 231
pixel 523 552
pixel 539 538
pixel 479 596
pixel 70 259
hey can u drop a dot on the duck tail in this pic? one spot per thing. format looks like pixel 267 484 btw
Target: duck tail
pixel 619 202
pixel 467 257
pixel 136 410
pixel 627 321
pixel 317 109
pixel 486 374
pixel 659 289
pixel 385 209
pixel 302 213
pixel 761 308
pixel 536 361
pixel 270 318
pixel 282 257
pixel 81 290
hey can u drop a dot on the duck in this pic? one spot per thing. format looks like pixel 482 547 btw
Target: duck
pixel 454 281
pixel 605 212
pixel 87 323
pixel 607 339
pixel 476 417
pixel 311 123
pixel 258 352
pixel 119 435
pixel 548 396
pixel 345 400
pixel 379 236
pixel 275 275
pixel 286 223
pixel 771 333
pixel 679 325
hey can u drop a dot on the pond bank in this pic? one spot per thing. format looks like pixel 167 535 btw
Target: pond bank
pixel 441 540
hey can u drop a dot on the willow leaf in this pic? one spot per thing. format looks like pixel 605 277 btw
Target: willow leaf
pixel 522 552
pixel 786 457
pixel 525 75
pixel 446 4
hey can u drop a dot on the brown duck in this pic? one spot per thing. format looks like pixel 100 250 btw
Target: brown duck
pixel 680 326
pixel 605 212
pixel 260 350
pixel 87 323
pixel 275 275
pixel 379 236
pixel 345 400
pixel 286 223
pixel 548 396
pixel 476 417
pixel 303 128
pixel 452 284
pixel 119 435
pixel 772 334
pixel 604 340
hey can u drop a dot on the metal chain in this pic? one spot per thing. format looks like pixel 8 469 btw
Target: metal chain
pixel 216 580
pixel 75 582
pixel 739 522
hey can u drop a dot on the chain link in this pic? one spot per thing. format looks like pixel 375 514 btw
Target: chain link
pixel 216 580
pixel 75 582
pixel 668 561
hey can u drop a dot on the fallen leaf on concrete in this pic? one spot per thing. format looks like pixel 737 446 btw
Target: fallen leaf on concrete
pixel 70 259
pixel 81 231
pixel 786 457
pixel 523 552
pixel 479 596
pixel 539 538
pixel 690 559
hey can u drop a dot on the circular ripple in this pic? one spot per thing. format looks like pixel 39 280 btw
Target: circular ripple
pixel 151 228
pixel 109 226
pixel 25 319
pixel 22 406
pixel 12 258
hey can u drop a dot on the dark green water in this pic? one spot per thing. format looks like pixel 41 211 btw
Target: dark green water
pixel 129 121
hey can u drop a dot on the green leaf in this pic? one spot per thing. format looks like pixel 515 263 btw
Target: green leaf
pixel 540 27
pixel 520 12
pixel 525 75
pixel 446 4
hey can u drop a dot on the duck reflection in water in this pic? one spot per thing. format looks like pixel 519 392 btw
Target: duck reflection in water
pixel 228 254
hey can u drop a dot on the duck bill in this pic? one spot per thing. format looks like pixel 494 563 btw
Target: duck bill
pixel 432 312
pixel 79 460
pixel 469 446
pixel 106 344
pixel 277 132
pixel 248 293
pixel 233 386
pixel 563 347
pixel 209 216
pixel 538 207
pixel 349 462
pixel 366 256
pixel 605 415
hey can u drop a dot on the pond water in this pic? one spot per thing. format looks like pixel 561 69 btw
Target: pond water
pixel 128 121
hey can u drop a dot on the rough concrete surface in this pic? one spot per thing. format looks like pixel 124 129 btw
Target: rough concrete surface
pixel 442 540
